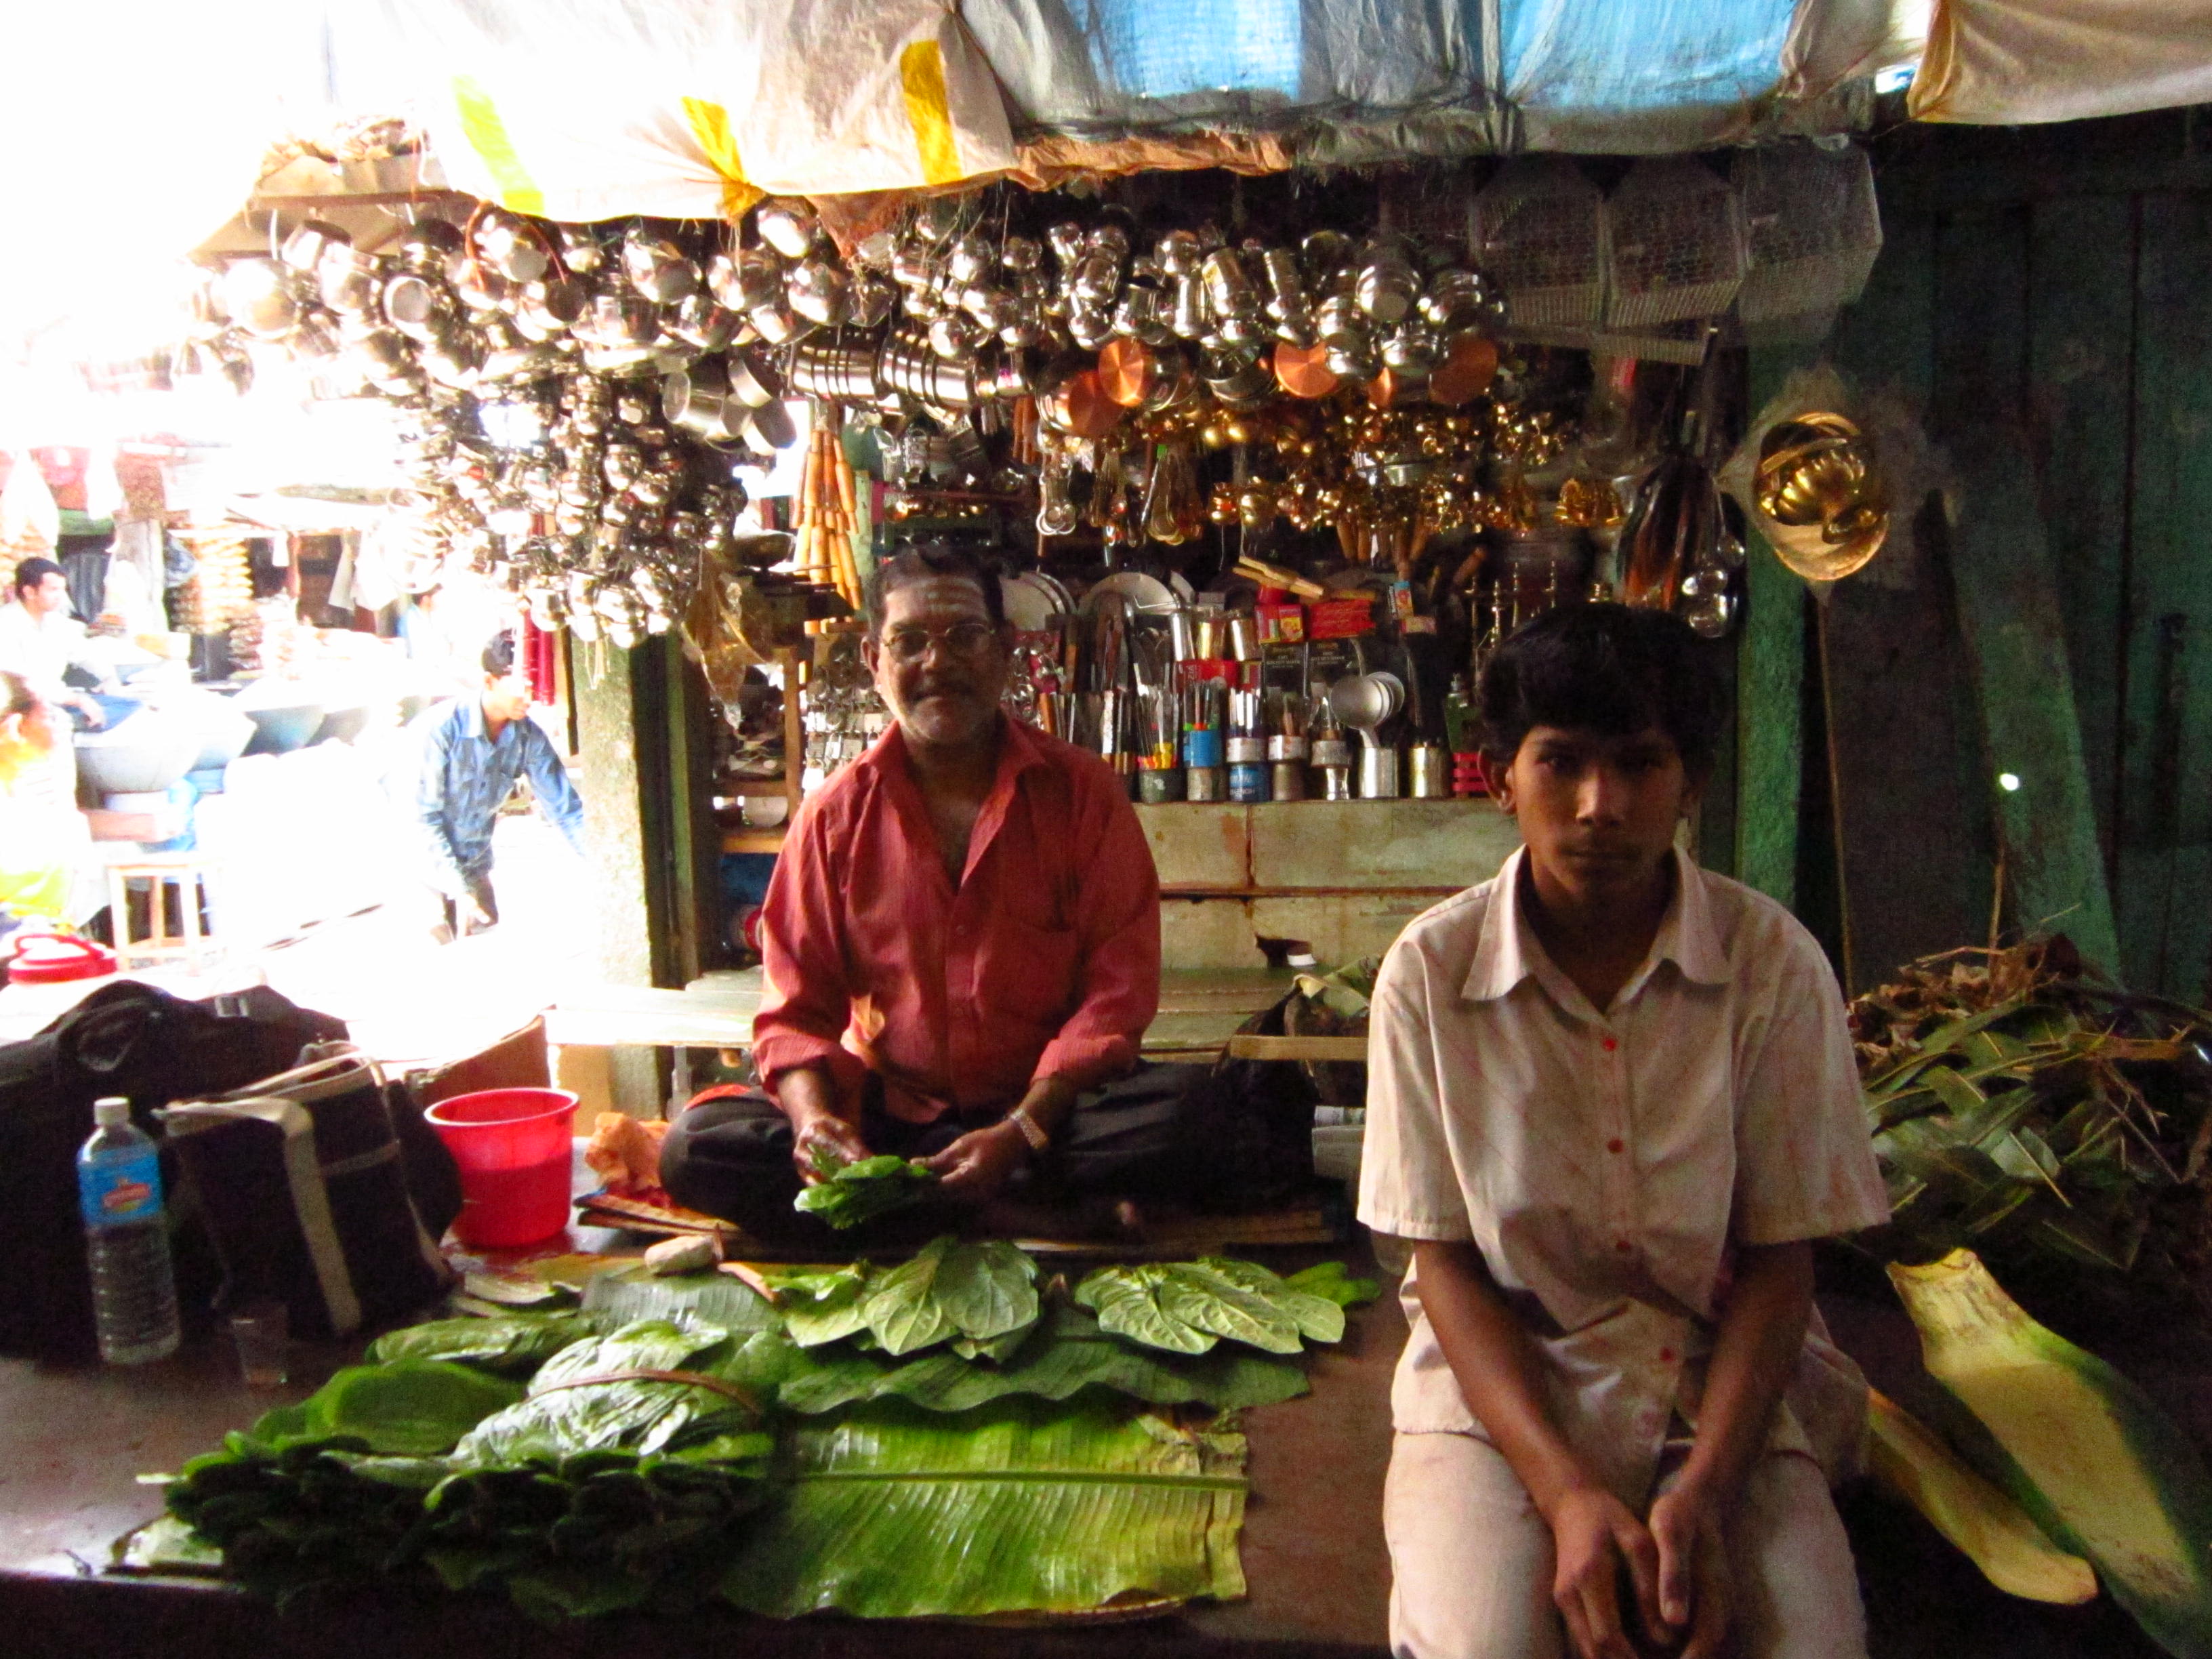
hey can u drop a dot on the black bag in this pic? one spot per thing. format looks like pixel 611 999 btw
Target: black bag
pixel 302 1181
pixel 127 1039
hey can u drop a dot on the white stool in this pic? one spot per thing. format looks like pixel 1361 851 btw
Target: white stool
pixel 190 875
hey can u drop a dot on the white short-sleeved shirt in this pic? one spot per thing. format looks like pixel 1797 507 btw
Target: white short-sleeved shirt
pixel 1605 1163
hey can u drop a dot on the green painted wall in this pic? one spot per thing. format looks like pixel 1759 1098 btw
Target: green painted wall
pixel 2044 307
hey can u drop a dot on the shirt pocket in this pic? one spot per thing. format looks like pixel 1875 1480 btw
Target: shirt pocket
pixel 1029 972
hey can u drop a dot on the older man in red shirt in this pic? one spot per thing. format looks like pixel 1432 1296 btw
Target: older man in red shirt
pixel 963 952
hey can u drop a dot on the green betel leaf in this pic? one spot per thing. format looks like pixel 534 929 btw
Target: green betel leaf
pixel 850 1194
pixel 895 1513
pixel 904 1311
pixel 988 1290
pixel 1210 1302
pixel 408 1408
pixel 1318 1319
pixel 1067 1354
pixel 514 1344
pixel 1124 1300
pixel 568 1413
pixel 1330 1280
pixel 820 1308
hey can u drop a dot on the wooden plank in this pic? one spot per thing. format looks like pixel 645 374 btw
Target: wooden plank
pixel 1200 848
pixel 1297 1048
pixel 614 838
pixel 2008 604
pixel 2166 854
pixel 1354 845
pixel 2081 258
pixel 1770 686
pixel 1208 933
pixel 1912 830
pixel 1339 928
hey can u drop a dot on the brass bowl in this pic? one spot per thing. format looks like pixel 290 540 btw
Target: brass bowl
pixel 1820 499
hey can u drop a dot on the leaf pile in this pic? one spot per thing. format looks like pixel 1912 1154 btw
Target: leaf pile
pixel 1186 1307
pixel 849 1194
pixel 2057 1128
pixel 980 1297
pixel 584 1496
pixel 934 1404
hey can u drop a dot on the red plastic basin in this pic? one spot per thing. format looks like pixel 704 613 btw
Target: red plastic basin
pixel 513 1149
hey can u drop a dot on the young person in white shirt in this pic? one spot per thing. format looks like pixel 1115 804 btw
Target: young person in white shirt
pixel 39 641
pixel 1612 1098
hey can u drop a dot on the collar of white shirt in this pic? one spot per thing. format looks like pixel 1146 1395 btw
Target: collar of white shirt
pixel 1507 951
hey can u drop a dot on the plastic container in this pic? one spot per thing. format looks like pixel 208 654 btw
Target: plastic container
pixel 134 1294
pixel 514 1150
pixel 43 958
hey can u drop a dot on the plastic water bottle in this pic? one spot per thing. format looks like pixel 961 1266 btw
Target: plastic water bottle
pixel 134 1294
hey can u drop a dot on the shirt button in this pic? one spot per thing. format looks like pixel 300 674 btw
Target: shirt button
pixel 1608 1043
pixel 1622 1246
pixel 1666 1356
pixel 1616 1146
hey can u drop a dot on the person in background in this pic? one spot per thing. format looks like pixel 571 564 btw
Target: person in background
pixel 40 642
pixel 473 750
pixel 1612 1099
pixel 45 842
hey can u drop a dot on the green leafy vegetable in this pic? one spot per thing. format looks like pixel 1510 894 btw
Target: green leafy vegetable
pixel 1064 1355
pixel 1329 1279
pixel 821 1307
pixel 1184 1306
pixel 409 1407
pixel 1127 1302
pixel 902 1309
pixel 598 1395
pixel 894 1513
pixel 849 1194
pixel 512 1344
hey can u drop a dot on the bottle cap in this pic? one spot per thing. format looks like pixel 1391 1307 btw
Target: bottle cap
pixel 112 1110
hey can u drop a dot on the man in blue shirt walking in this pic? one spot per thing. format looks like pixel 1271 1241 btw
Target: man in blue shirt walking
pixel 473 750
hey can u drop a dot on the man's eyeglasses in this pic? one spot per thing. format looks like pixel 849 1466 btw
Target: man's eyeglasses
pixel 965 640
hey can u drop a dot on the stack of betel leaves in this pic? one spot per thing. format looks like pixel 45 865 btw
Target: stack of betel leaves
pixel 845 1446
pixel 851 1191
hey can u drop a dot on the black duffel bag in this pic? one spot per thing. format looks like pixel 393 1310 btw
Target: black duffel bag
pixel 127 1039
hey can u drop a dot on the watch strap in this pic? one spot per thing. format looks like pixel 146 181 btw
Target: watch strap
pixel 1031 1130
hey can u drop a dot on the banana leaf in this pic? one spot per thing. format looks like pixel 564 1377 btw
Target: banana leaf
pixel 513 1345
pixel 625 1295
pixel 1065 1355
pixel 892 1512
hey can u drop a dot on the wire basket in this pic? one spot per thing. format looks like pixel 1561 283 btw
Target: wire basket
pixel 1673 243
pixel 1540 225
pixel 1813 227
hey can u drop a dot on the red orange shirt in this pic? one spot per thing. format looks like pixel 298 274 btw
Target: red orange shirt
pixel 1044 961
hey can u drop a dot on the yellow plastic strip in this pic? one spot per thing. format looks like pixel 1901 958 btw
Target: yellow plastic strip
pixel 488 137
pixel 710 126
pixel 922 69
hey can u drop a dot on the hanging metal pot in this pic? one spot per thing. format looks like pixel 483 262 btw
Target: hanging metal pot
pixel 789 227
pixel 348 280
pixel 1387 285
pixel 769 429
pixel 699 321
pixel 417 306
pixel 819 291
pixel 305 248
pixel 1456 299
pixel 872 302
pixel 428 244
pixel 259 295
pixel 579 247
pixel 657 268
pixel 512 247
pixel 753 380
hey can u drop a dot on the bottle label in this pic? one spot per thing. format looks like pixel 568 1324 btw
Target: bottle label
pixel 117 1191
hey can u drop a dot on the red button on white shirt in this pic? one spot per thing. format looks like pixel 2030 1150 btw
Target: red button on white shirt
pixel 1622 1246
pixel 1616 1146
pixel 1608 1043
pixel 1666 1356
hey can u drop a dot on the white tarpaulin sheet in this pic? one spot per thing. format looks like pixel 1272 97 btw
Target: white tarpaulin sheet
pixel 585 109
pixel 2002 62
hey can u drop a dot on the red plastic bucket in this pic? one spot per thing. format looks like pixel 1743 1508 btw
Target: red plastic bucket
pixel 513 1149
